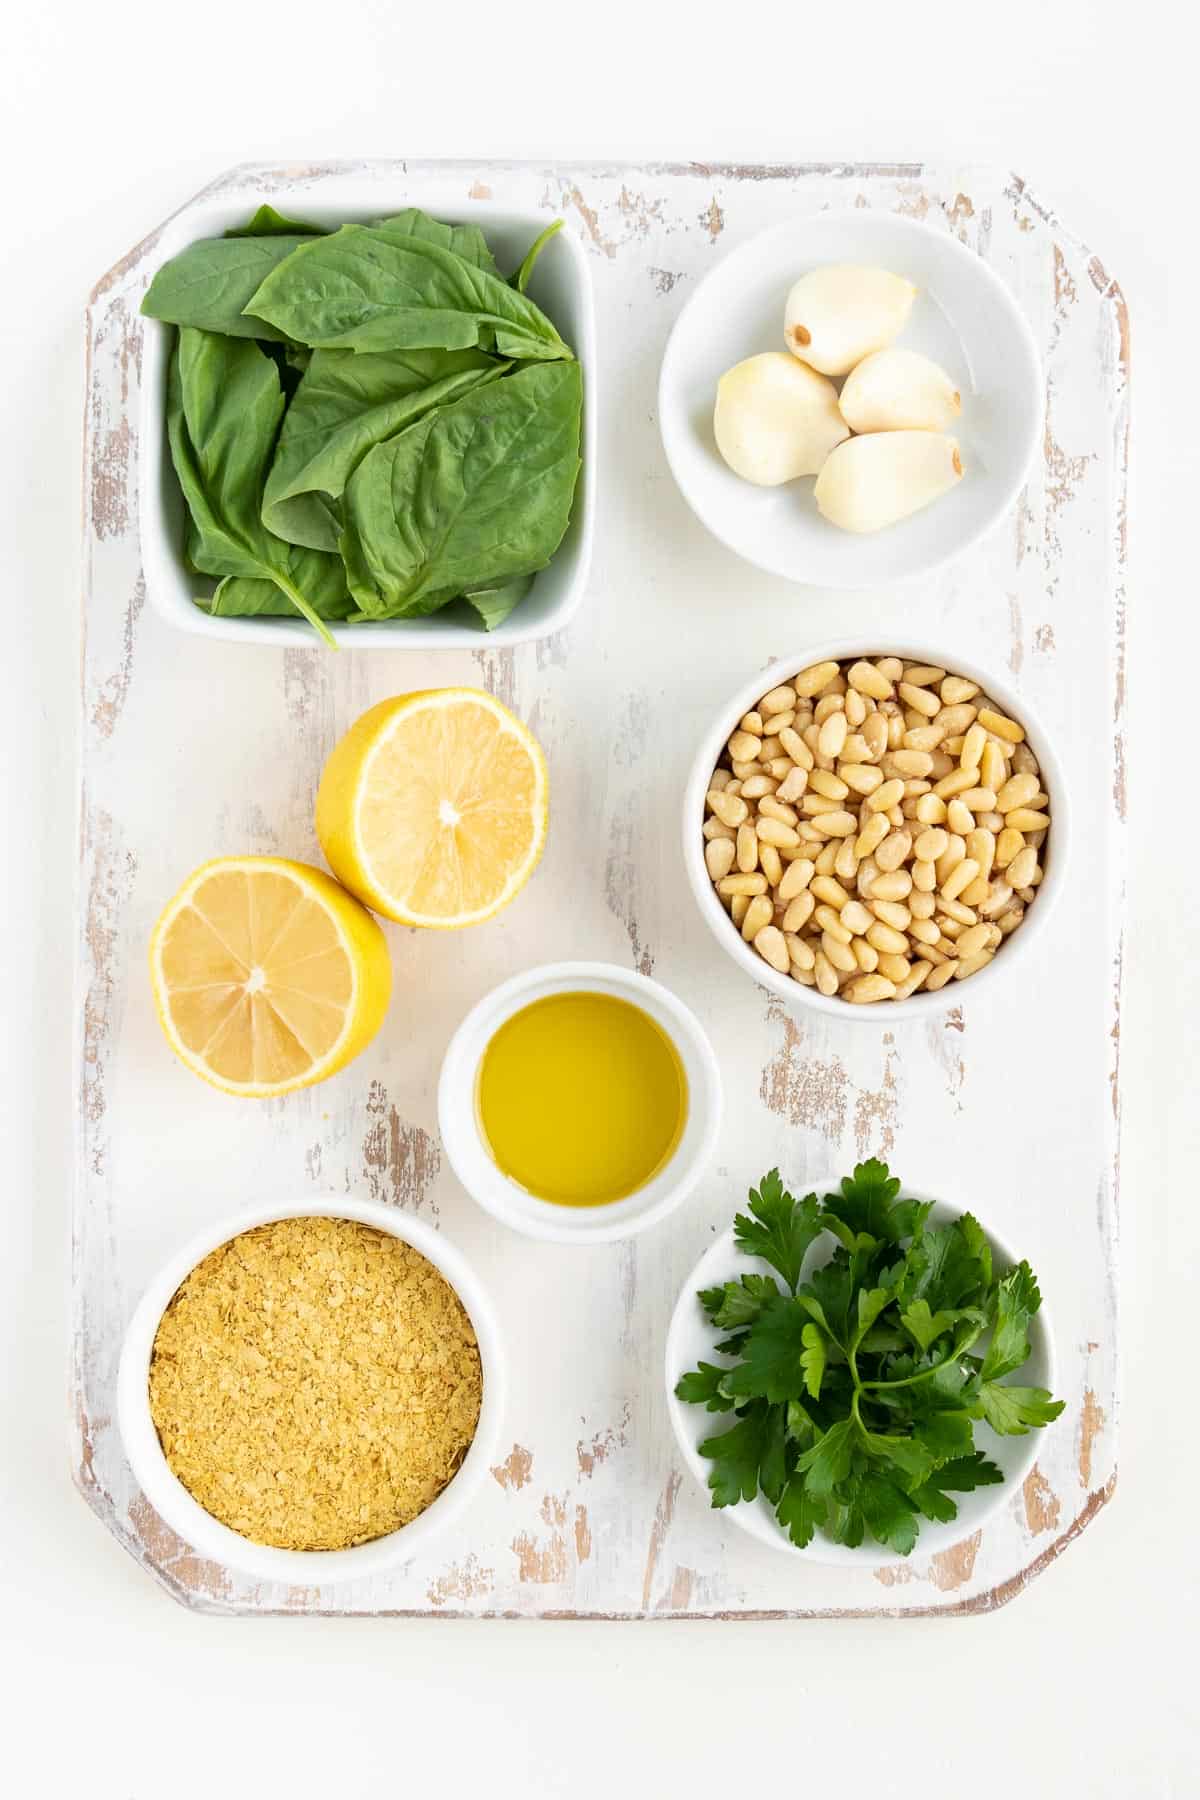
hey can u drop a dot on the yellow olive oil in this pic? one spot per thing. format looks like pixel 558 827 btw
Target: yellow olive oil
pixel 581 1098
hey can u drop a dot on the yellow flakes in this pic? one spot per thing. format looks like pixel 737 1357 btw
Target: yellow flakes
pixel 315 1383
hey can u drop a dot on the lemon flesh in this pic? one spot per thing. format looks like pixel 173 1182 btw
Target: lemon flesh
pixel 267 975
pixel 432 809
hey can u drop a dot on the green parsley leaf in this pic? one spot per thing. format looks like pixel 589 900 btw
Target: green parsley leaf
pixel 738 1302
pixel 927 1327
pixel 812 1359
pixel 1017 1299
pixel 828 1462
pixel 702 1387
pixel 736 1455
pixel 1012 1411
pixel 890 1515
pixel 800 1512
pixel 771 1367
pixel 866 1198
pixel 782 1230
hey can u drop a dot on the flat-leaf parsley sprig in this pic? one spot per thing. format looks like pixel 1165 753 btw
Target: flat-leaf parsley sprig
pixel 856 1392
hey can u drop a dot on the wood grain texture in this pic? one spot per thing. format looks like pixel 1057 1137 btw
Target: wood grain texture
pixel 193 748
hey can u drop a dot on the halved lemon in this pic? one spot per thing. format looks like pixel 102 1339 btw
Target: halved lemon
pixel 267 975
pixel 432 808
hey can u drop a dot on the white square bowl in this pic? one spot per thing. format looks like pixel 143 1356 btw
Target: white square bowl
pixel 561 286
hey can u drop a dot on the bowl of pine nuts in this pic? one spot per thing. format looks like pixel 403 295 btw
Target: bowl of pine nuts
pixel 868 830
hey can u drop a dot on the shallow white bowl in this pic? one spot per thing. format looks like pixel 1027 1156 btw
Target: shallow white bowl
pixel 964 318
pixel 690 1337
pixel 167 1494
pixel 1015 952
pixel 469 1156
pixel 561 286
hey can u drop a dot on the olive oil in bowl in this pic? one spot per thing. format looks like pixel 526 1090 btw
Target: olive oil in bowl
pixel 581 1098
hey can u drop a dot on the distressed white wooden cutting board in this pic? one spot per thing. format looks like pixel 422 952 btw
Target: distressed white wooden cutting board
pixel 192 749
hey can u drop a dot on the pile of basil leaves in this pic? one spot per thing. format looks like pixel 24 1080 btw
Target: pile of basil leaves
pixel 366 423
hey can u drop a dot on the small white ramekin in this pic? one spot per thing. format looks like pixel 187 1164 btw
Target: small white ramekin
pixel 471 1160
pixel 264 1562
pixel 1014 954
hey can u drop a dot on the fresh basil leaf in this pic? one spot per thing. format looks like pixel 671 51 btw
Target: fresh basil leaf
pixel 246 597
pixel 466 241
pixel 363 288
pixel 208 285
pixel 223 408
pixel 520 280
pixel 474 493
pixel 493 604
pixel 344 406
pixel 269 223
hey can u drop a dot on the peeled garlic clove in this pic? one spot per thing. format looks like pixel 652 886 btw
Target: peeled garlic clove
pixel 897 390
pixel 869 482
pixel 776 419
pixel 836 316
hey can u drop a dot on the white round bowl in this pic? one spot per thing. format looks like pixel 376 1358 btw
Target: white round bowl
pixel 265 1562
pixel 690 1337
pixel 1015 952
pixel 964 318
pixel 510 1203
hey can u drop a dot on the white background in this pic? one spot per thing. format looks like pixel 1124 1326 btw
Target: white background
pixel 111 114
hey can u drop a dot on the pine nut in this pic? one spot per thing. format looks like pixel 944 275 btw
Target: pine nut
pixel 920 699
pixel 892 913
pixel 829 919
pixel 760 912
pixel 822 781
pixel 811 681
pixel 867 679
pixel 792 785
pixel 771 947
pixel 800 953
pixel 743 884
pixel 718 858
pixel 930 845
pixel 957 782
pixel 1003 728
pixel 975 937
pixel 955 719
pixel 795 747
pixel 773 831
pixel 1020 870
pixel 875 734
pixel 876 824
pixel 893 850
pixel 863 778
pixel 866 989
pixel 780 699
pixel 871 835
pixel 888 795
pixel 731 809
pixel 771 864
pixel 895 884
pixel 961 876
pixel 827 981
pixel 912 981
pixel 799 912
